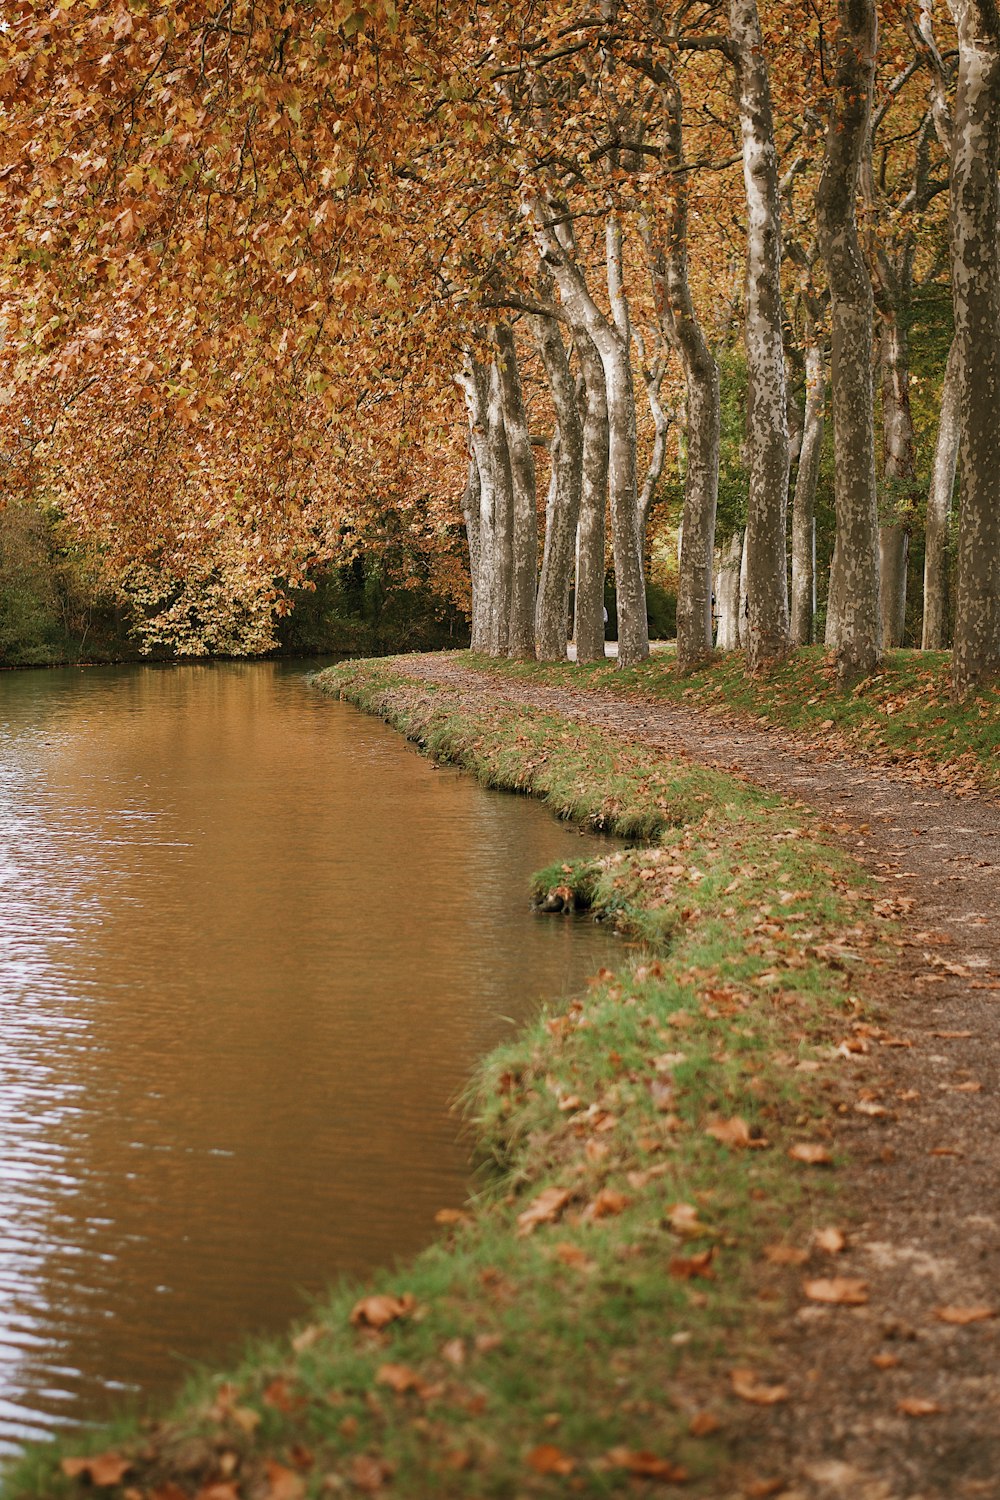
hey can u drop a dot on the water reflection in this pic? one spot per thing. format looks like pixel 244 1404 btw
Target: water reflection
pixel 250 947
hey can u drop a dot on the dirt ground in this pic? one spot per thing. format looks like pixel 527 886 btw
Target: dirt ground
pixel 922 1191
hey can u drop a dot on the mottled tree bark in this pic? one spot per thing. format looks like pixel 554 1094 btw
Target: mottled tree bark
pixel 563 506
pixel 471 506
pixel 804 502
pixel 975 268
pixel 767 416
pixel 854 591
pixel 587 317
pixel 524 512
pixel 588 624
pixel 899 468
pixel 727 594
pixel 939 500
pixel 668 261
pixel 502 538
pixel 475 382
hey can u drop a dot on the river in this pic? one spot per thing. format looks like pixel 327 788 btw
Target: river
pixel 251 946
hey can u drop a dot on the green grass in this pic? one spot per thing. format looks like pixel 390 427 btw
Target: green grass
pixel 901 715
pixel 597 1336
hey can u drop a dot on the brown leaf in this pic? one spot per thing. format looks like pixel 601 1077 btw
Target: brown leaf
pixel 608 1203
pixel 885 1361
pixel 454 1352
pixel 963 1315
pixel 399 1378
pixel 646 1465
pixel 785 1255
pixel 382 1308
pixel 284 1484
pixel 544 1210
pixel 844 1291
pixel 548 1459
pixel 307 1337
pixel 572 1255
pixel 222 1491
pixel 369 1474
pixel 168 1491
pixel 830 1240
pixel 451 1216
pixel 703 1424
pixel 810 1152
pixel 918 1406
pixel 278 1395
pixel 102 1469
pixel 734 1132
pixel 749 1388
pixel 687 1267
pixel 683 1220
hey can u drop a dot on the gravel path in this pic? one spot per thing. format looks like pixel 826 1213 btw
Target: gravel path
pixel 924 1179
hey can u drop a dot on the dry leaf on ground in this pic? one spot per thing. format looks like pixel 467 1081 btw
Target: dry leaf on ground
pixel 963 1315
pixel 102 1469
pixel 918 1406
pixel 749 1388
pixel 810 1152
pixel 831 1240
pixel 382 1308
pixel 844 1291
pixel 646 1465
pixel 545 1209
pixel 399 1378
pixel 548 1459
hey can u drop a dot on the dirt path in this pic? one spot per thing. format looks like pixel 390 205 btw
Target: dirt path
pixel 924 1178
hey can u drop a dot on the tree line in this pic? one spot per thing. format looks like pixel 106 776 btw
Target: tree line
pixel 269 270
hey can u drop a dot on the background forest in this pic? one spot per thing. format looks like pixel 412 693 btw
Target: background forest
pixel 682 310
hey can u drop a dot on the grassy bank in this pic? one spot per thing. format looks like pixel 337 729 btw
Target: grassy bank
pixel 901 716
pixel 595 1321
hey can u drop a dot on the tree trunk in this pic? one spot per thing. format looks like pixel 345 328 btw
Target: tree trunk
pixel 939 501
pixel 854 591
pixel 668 262
pixel 899 473
pixel 475 382
pixel 585 315
pixel 503 518
pixel 767 413
pixel 744 610
pixel 524 529
pixel 804 503
pixel 588 625
pixel 975 262
pixel 562 513
pixel 471 506
pixel 727 594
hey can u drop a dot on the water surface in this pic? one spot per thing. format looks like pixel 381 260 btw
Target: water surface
pixel 251 945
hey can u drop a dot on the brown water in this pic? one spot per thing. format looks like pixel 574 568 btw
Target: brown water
pixel 251 946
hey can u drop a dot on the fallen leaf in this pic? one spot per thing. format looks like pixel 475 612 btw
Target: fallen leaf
pixel 683 1220
pixel 646 1465
pixel 885 1361
pixel 168 1491
pixel 544 1210
pixel 687 1267
pixel 918 1406
pixel 382 1308
pixel 763 1489
pixel 844 1291
pixel 307 1337
pixel 102 1469
pixel 451 1216
pixel 749 1388
pixel 946 1151
pixel 810 1152
pixel 830 1240
pixel 279 1397
pixel 607 1204
pixel 785 1255
pixel 963 1315
pixel 399 1378
pixel 284 1484
pixel 703 1424
pixel 222 1491
pixel 454 1352
pixel 734 1132
pixel 369 1474
pixel 548 1459
pixel 572 1255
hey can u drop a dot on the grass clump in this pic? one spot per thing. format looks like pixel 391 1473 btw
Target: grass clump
pixel 574 1329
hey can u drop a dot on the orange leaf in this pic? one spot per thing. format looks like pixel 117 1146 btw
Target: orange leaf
pixel 963 1315
pixel 646 1465
pixel 749 1388
pixel 451 1216
pixel 399 1378
pixel 607 1204
pixel 687 1267
pixel 102 1469
pixel 382 1308
pixel 885 1361
pixel 544 1210
pixel 918 1406
pixel 703 1424
pixel 683 1220
pixel 369 1474
pixel 830 1240
pixel 572 1255
pixel 785 1255
pixel 734 1132
pixel 845 1291
pixel 812 1153
pixel 548 1459
pixel 284 1483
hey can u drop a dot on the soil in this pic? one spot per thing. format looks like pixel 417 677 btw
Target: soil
pixel 921 1193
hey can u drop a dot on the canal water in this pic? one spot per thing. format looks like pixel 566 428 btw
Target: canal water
pixel 251 947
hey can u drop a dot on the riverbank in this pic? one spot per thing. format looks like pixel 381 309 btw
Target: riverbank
pixel 659 1177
